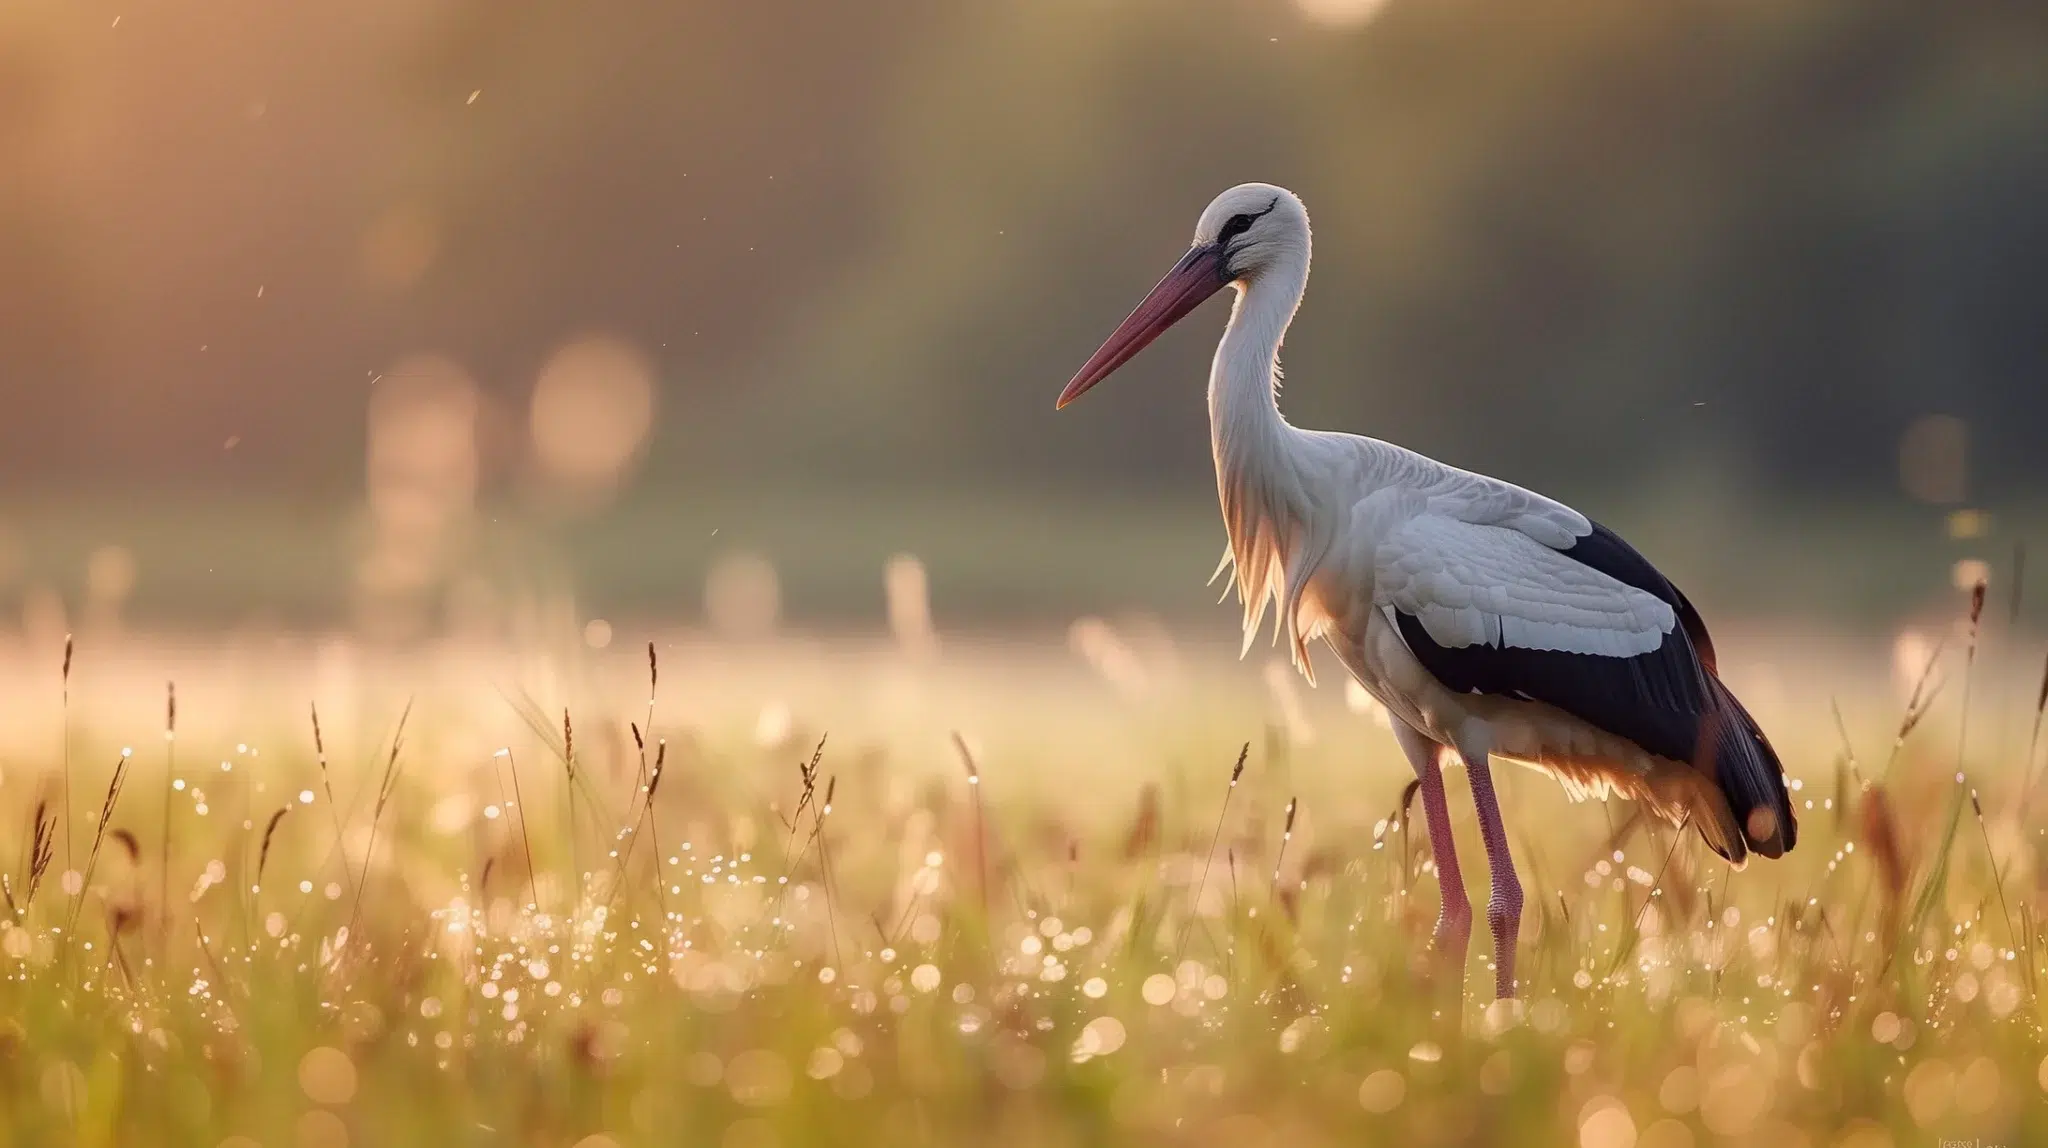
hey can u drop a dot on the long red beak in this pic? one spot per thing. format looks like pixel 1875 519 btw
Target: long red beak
pixel 1196 277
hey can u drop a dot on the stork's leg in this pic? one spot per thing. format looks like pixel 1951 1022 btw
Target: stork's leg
pixel 1454 919
pixel 1504 907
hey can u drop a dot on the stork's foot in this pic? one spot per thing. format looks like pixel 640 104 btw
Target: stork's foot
pixel 1504 908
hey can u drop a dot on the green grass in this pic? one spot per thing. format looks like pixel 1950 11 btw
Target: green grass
pixel 1071 963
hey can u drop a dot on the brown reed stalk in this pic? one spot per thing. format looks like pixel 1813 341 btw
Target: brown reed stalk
pixel 66 738
pixel 327 788
pixel 569 771
pixel 170 780
pixel 526 838
pixel 1236 906
pixel 1215 837
pixel 263 853
pixel 807 799
pixel 114 786
pixel 35 860
pixel 1881 836
pixel 119 922
pixel 42 847
pixel 1627 944
pixel 654 824
pixel 644 815
pixel 818 815
pixel 645 781
pixel 1937 880
pixel 2033 743
pixel 980 820
pixel 386 786
pixel 1997 874
pixel 1848 759
pixel 220 974
pixel 2031 935
pixel 1144 831
pixel 653 681
pixel 1286 835
pixel 807 776
pixel 1918 703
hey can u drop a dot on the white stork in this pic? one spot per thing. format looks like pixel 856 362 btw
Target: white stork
pixel 1489 620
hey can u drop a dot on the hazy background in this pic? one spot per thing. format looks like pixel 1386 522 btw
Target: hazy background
pixel 413 315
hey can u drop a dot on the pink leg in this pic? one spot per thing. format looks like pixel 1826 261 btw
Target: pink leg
pixel 1454 919
pixel 1504 907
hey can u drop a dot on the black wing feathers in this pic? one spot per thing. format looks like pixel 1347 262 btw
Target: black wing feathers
pixel 1653 699
pixel 1668 701
pixel 1607 552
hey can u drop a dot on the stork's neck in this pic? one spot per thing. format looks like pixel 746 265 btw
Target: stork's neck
pixel 1245 425
pixel 1265 503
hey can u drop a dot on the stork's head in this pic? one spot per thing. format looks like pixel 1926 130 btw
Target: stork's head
pixel 1252 230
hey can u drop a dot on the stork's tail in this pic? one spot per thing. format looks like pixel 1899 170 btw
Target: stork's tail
pixel 1736 757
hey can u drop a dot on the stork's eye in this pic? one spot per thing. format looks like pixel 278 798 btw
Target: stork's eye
pixel 1237 225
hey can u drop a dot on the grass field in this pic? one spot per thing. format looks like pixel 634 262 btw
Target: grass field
pixel 836 893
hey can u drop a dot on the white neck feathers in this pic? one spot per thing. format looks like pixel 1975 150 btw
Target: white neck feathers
pixel 1265 505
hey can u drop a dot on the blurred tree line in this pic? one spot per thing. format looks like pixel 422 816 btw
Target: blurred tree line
pixel 1747 241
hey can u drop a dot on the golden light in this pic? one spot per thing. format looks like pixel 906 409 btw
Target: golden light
pixel 110 573
pixel 1098 643
pixel 1977 1086
pixel 1912 653
pixel 399 247
pixel 1680 1092
pixel 421 461
pixel 1965 524
pixel 593 407
pixel 1734 1098
pixel 1930 1090
pixel 908 589
pixel 743 596
pixel 1605 1123
pixel 327 1076
pixel 420 477
pixel 1340 13
pixel 109 581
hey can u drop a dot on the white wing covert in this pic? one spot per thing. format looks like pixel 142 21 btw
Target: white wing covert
pixel 1470 584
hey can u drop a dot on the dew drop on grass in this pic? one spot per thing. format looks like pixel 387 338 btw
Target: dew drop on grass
pixel 1099 1037
pixel 327 1076
pixel 1381 1091
pixel 1608 1126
